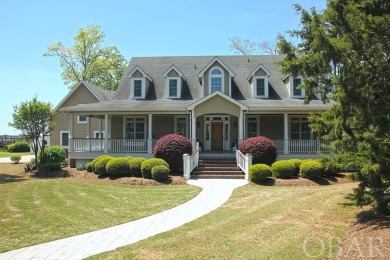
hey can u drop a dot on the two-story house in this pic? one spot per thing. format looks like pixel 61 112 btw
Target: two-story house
pixel 217 101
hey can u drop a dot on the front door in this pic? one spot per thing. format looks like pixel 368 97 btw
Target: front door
pixel 217 136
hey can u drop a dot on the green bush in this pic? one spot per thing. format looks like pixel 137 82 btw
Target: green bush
pixel 16 158
pixel 259 172
pixel 331 167
pixel 53 154
pixel 50 166
pixel 297 163
pixel 148 165
pixel 21 146
pixel 118 167
pixel 160 173
pixel 283 169
pixel 97 159
pixel 311 169
pixel 89 167
pixel 80 167
pixel 135 166
pixel 100 165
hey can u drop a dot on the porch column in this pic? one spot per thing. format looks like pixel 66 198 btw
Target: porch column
pixel 89 132
pixel 193 130
pixel 71 132
pixel 150 133
pixel 285 140
pixel 240 127
pixel 105 133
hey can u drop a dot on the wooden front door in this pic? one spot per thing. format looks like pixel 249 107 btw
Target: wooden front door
pixel 217 136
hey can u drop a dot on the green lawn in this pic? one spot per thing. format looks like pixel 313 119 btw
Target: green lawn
pixel 8 154
pixel 34 211
pixel 258 222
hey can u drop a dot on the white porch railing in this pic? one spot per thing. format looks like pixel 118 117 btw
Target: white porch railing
pixel 279 145
pixel 306 146
pixel 88 144
pixel 114 145
pixel 190 162
pixel 244 162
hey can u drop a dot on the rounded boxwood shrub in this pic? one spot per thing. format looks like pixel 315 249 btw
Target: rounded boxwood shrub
pixel 89 167
pixel 160 173
pixel 148 165
pixel 311 169
pixel 135 166
pixel 171 148
pixel 15 158
pixel 297 163
pixel 21 146
pixel 259 172
pixel 100 165
pixel 283 169
pixel 53 154
pixel 118 167
pixel 95 160
pixel 262 149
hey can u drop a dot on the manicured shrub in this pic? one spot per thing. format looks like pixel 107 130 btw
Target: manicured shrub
pixel 89 167
pixel 50 166
pixel 118 167
pixel 135 166
pixel 297 163
pixel 262 149
pixel 160 173
pixel 95 160
pixel 148 165
pixel 16 158
pixel 21 146
pixel 100 165
pixel 311 169
pixel 283 169
pixel 53 154
pixel 259 172
pixel 171 149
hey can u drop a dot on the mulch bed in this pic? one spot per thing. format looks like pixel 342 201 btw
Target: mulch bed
pixel 298 181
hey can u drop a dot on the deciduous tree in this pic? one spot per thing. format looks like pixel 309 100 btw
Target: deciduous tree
pixel 344 55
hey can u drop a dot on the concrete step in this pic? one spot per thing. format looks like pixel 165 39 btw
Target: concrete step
pixel 218 176
pixel 217 168
pixel 217 172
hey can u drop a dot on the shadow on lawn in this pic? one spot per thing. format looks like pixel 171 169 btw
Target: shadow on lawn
pixel 7 178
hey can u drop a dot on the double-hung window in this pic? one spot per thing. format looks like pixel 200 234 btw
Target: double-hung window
pixel 134 128
pixel 296 90
pixel 82 119
pixel 300 128
pixel 260 86
pixel 138 88
pixel 64 136
pixel 181 126
pixel 173 87
pixel 216 80
pixel 252 127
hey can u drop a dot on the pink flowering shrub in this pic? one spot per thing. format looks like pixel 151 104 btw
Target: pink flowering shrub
pixel 171 148
pixel 262 149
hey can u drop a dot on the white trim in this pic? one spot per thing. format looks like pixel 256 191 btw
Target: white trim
pixel 226 145
pixel 200 101
pixel 221 76
pixel 254 87
pixel 257 120
pixel 64 132
pixel 178 87
pixel 145 125
pixel 260 66
pixel 82 122
pixel 172 67
pixel 186 121
pixel 140 70
pixel 301 119
pixel 98 132
pixel 142 88
pixel 292 87
pixel 216 59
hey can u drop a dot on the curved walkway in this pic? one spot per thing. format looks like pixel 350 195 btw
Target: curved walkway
pixel 213 195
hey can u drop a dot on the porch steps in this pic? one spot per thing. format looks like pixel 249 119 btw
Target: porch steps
pixel 217 168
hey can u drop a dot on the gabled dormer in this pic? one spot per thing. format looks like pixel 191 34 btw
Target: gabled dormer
pixel 139 83
pixel 293 86
pixel 216 76
pixel 173 82
pixel 259 81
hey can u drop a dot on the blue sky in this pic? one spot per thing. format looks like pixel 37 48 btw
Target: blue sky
pixel 137 28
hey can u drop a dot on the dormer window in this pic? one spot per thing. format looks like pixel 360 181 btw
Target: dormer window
pixel 138 88
pixel 295 89
pixel 260 86
pixel 173 87
pixel 216 80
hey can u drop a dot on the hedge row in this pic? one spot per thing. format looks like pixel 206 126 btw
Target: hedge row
pixel 129 167
pixel 288 169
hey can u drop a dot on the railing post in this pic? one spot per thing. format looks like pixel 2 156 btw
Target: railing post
pixel 71 132
pixel 248 164
pixel 186 166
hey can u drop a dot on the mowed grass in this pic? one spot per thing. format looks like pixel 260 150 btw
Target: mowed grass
pixel 34 211
pixel 258 222
pixel 4 154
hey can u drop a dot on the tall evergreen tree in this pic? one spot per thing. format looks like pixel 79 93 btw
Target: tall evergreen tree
pixel 344 56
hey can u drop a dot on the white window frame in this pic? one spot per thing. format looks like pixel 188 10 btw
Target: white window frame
pixel 254 86
pixel 300 121
pixel 292 88
pixel 252 121
pixel 135 117
pixel 186 120
pixel 222 76
pixel 64 132
pixel 98 132
pixel 142 88
pixel 82 122
pixel 178 86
